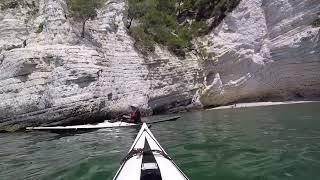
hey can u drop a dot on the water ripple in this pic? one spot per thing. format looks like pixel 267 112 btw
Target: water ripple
pixel 265 143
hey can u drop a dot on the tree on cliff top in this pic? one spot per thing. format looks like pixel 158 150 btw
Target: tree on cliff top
pixel 83 10
pixel 174 23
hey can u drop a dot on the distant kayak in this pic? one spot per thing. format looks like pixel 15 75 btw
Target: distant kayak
pixel 106 124
pixel 147 160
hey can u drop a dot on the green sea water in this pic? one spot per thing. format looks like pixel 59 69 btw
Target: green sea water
pixel 260 143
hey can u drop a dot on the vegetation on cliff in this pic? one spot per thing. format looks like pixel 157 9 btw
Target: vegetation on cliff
pixel 83 10
pixel 9 4
pixel 316 23
pixel 40 28
pixel 13 4
pixel 174 23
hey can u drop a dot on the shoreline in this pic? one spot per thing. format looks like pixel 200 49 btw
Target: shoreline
pixel 259 104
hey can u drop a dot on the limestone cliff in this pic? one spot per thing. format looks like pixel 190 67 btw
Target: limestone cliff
pixel 263 50
pixel 50 75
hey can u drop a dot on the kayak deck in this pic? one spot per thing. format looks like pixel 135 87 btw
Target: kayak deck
pixel 148 160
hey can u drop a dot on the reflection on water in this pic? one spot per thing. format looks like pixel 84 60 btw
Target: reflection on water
pixel 280 142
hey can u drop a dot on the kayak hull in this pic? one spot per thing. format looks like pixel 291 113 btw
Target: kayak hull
pixel 88 126
pixel 102 125
pixel 148 160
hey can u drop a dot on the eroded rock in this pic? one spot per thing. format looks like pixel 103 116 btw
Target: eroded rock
pixel 265 49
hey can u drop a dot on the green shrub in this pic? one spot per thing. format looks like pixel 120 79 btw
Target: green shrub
pixel 33 12
pixel 316 23
pixel 9 4
pixel 144 42
pixel 12 4
pixel 199 28
pixel 32 5
pixel 204 53
pixel 174 23
pixel 83 10
pixel 40 28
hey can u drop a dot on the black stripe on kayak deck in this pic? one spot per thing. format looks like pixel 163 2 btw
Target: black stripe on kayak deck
pixel 120 169
pixel 168 155
pixel 148 157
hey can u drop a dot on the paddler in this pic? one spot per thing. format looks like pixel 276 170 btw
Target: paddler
pixel 135 115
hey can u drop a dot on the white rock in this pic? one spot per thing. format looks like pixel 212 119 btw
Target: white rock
pixel 265 49
pixel 60 77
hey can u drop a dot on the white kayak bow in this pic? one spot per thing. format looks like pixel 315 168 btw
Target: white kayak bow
pixel 147 160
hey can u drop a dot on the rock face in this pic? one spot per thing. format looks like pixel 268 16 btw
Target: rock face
pixel 262 50
pixel 173 82
pixel 50 75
